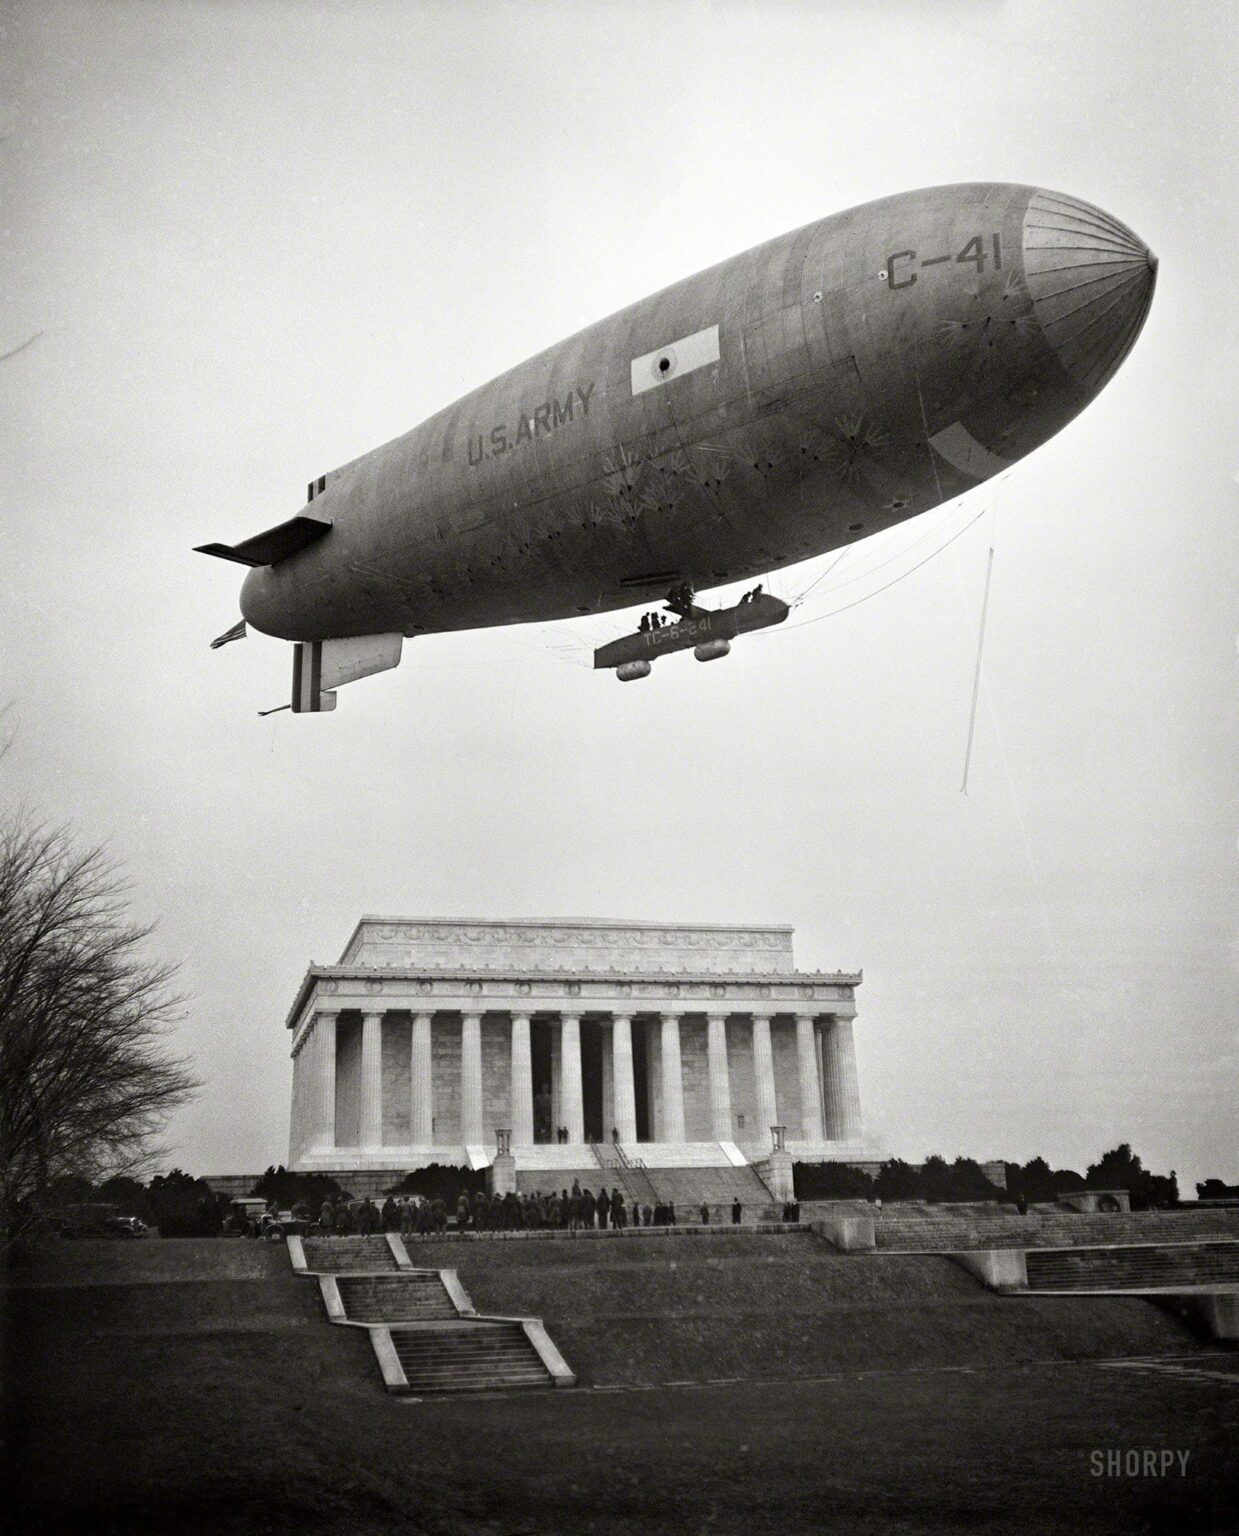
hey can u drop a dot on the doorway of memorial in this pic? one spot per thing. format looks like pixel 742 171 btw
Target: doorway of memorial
pixel 540 1031
pixel 591 1081
pixel 640 1077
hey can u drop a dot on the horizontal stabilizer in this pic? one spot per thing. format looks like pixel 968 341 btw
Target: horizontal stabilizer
pixel 273 544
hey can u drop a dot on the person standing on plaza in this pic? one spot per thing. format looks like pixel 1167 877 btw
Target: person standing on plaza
pixel 604 1207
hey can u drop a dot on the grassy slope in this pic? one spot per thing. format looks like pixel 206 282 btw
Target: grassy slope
pixel 780 1307
pixel 213 1407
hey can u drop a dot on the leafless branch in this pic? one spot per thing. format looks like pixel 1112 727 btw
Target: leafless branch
pixel 86 1077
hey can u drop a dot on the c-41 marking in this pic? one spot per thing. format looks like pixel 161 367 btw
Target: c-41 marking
pixel 899 264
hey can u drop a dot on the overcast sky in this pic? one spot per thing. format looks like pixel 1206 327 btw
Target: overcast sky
pixel 258 239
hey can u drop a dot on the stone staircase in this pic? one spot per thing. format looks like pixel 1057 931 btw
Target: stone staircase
pixel 688 1188
pixel 627 1171
pixel 425 1333
pixel 531 1181
pixel 679 1154
pixel 1158 1266
pixel 686 1184
pixel 419 1297
pixel 469 1357
pixel 336 1254
pixel 949 1228
pixel 555 1161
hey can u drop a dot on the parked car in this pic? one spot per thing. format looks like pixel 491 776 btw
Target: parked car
pixel 95 1220
pixel 249 1216
pixel 127 1226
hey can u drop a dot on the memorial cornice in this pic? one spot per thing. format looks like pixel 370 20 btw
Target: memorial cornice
pixel 508 985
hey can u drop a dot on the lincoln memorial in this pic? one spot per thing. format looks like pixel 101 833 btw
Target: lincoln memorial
pixel 430 1036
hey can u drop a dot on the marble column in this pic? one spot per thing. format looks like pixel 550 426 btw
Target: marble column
pixel 557 1077
pixel 673 1080
pixel 625 1089
pixel 763 1079
pixel 720 1083
pixel 570 1094
pixel 300 1069
pixel 810 1090
pixel 323 1063
pixel 421 1097
pixel 294 1122
pixel 654 1077
pixel 371 1134
pixel 522 1082
pixel 843 1120
pixel 471 1079
pixel 607 1110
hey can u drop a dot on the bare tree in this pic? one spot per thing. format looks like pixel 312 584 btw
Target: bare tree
pixel 86 1077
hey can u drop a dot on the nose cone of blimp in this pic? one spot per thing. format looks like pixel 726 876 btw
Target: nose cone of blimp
pixel 1091 282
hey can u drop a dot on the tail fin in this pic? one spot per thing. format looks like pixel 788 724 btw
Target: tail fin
pixel 321 666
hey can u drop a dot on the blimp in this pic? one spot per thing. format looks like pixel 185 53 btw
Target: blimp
pixel 784 403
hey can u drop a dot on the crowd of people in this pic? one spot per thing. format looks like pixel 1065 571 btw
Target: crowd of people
pixel 572 1210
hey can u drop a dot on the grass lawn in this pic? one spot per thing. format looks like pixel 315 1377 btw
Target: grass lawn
pixel 229 1406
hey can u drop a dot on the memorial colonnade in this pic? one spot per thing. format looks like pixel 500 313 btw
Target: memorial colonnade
pixel 431 1035
pixel 825 1106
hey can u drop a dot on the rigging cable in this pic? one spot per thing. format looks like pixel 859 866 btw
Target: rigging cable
pixel 841 556
pixel 976 681
pixel 804 623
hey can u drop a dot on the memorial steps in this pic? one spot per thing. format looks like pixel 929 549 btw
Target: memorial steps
pixel 424 1331
pixel 420 1297
pixel 688 1174
pixel 349 1253
pixel 689 1188
pixel 1146 1267
pixel 546 1158
pixel 480 1357
pixel 945 1229
pixel 552 1181
pixel 1186 1258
